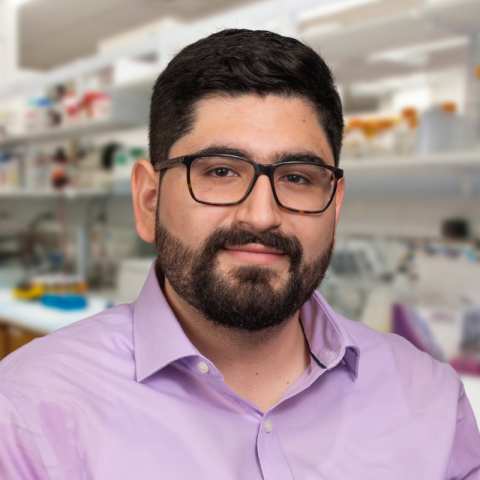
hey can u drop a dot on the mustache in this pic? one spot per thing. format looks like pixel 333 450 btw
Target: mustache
pixel 236 236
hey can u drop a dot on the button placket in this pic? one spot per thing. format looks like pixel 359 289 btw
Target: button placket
pixel 270 455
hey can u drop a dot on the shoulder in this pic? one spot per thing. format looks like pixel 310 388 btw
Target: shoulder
pixel 94 339
pixel 393 360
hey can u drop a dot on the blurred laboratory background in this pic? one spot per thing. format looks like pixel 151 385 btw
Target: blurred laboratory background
pixel 75 82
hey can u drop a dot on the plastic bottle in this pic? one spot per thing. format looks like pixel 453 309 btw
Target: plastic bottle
pixel 382 143
pixel 354 140
pixel 41 172
pixel 69 108
pixel 59 169
pixel 406 132
pixel 9 172
pixel 437 129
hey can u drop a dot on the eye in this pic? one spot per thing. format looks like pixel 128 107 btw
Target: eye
pixel 295 178
pixel 222 172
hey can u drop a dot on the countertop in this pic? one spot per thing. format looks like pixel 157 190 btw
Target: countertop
pixel 41 319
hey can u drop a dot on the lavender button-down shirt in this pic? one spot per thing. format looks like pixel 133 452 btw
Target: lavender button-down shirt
pixel 124 395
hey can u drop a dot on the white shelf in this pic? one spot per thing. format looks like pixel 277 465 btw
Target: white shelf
pixel 60 133
pixel 456 14
pixel 141 85
pixel 129 109
pixel 445 175
pixel 369 37
pixel 465 159
pixel 350 47
pixel 68 194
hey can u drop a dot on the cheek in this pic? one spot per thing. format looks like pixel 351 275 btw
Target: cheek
pixel 315 233
pixel 185 218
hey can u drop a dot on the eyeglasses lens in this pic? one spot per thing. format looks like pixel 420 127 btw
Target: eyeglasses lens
pixel 220 180
pixel 304 186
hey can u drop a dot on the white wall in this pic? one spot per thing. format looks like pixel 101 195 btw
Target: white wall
pixel 8 42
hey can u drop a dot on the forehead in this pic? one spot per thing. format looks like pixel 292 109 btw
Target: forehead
pixel 262 127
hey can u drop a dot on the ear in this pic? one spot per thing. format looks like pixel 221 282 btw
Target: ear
pixel 338 205
pixel 339 199
pixel 145 196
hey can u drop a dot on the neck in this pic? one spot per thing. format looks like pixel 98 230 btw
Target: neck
pixel 259 366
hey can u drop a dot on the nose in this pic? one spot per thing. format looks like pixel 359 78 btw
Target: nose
pixel 259 212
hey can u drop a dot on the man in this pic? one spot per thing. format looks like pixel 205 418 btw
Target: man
pixel 229 365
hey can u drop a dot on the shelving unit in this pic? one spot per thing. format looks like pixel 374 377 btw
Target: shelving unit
pixel 350 48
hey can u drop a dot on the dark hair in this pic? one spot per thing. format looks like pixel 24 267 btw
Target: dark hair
pixel 235 63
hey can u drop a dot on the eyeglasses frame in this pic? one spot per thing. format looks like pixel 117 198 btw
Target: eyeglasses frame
pixel 259 168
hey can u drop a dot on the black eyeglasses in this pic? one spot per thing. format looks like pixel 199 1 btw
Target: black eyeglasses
pixel 225 180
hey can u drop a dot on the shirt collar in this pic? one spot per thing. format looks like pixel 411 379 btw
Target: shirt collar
pixel 327 336
pixel 159 339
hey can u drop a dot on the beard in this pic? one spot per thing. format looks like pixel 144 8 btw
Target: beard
pixel 242 299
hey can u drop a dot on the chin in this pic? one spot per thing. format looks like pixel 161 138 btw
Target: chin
pixel 254 274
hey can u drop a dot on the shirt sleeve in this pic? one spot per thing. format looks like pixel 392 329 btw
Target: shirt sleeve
pixel 465 459
pixel 20 457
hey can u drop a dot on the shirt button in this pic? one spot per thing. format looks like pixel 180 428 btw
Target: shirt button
pixel 203 367
pixel 268 426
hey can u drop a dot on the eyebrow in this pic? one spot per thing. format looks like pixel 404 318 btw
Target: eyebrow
pixel 281 157
pixel 223 149
pixel 304 156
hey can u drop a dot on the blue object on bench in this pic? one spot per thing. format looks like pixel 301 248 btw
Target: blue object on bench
pixel 64 302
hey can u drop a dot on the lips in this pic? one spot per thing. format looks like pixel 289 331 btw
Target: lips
pixel 255 248
pixel 255 254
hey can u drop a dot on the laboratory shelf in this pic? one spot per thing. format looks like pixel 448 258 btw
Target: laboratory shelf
pixel 378 47
pixel 458 159
pixel 372 36
pixel 442 175
pixel 456 14
pixel 69 193
pixel 128 109
pixel 79 69
pixel 60 133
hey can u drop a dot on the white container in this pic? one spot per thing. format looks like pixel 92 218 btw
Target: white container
pixel 444 131
pixel 9 172
pixel 354 140
pixel 38 172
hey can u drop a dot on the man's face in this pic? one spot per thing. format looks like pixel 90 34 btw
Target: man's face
pixel 226 245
